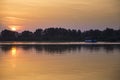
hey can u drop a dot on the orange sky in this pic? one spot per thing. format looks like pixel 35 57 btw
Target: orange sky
pixel 78 14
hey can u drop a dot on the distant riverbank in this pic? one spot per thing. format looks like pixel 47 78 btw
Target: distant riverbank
pixel 59 43
pixel 62 35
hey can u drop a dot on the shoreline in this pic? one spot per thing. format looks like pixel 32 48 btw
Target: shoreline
pixel 59 43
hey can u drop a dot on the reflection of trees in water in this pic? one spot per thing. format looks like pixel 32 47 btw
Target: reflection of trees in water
pixel 91 48
pixel 26 47
pixel 6 48
pixel 106 48
pixel 111 48
pixel 59 49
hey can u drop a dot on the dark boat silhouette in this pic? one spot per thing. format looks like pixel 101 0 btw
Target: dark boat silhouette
pixel 93 41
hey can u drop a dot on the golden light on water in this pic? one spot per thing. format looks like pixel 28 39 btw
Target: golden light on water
pixel 65 63
pixel 13 51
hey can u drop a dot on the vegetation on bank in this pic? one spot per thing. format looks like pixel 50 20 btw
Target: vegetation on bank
pixel 61 34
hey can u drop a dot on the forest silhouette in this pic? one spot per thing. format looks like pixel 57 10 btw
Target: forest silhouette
pixel 61 35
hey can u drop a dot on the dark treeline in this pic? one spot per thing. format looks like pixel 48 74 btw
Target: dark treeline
pixel 61 34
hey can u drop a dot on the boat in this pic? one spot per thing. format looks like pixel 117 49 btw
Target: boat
pixel 93 41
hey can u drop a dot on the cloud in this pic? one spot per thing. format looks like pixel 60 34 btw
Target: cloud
pixel 14 18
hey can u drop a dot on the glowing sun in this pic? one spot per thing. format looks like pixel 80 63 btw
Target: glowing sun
pixel 13 28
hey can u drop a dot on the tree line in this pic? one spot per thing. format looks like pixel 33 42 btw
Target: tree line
pixel 61 34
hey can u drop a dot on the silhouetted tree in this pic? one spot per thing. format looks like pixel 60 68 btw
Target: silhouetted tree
pixel 61 34
pixel 55 34
pixel 92 35
pixel 108 35
pixel 26 36
pixel 38 34
pixel 8 35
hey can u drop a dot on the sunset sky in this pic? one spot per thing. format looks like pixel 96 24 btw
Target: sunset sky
pixel 73 14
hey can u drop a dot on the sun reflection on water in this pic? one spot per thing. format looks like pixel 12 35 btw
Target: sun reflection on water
pixel 14 51
pixel 13 54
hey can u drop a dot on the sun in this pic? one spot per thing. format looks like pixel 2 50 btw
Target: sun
pixel 13 28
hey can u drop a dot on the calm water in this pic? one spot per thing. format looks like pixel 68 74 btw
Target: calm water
pixel 60 62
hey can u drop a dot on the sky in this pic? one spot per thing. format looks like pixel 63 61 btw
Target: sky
pixel 73 14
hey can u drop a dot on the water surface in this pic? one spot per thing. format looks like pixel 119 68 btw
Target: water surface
pixel 60 62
